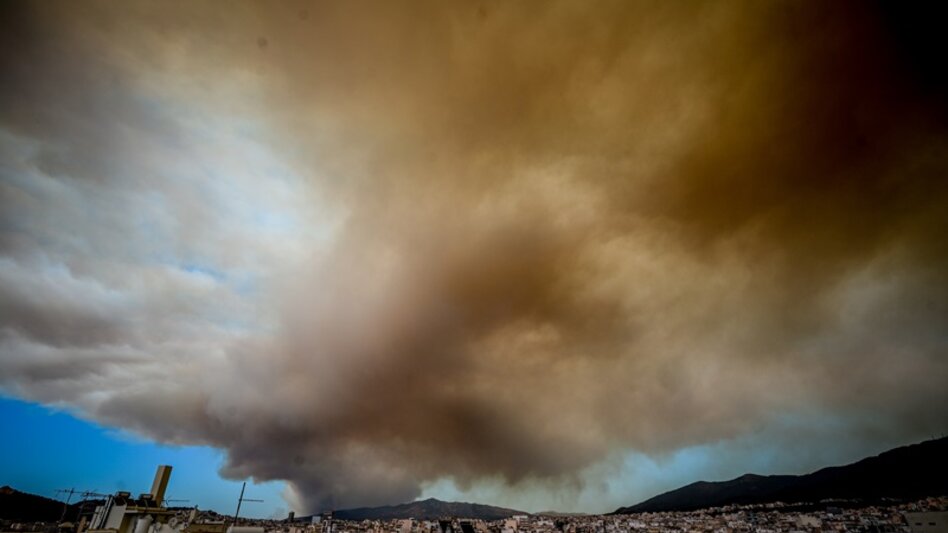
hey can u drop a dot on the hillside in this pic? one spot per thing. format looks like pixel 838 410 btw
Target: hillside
pixel 25 507
pixel 905 473
pixel 427 510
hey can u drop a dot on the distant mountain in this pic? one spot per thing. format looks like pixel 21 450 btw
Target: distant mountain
pixel 429 509
pixel 909 472
pixel 25 507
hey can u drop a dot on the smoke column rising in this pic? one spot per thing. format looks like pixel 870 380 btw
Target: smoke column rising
pixel 370 247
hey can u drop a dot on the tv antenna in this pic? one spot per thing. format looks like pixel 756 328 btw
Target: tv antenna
pixel 84 494
pixel 242 500
pixel 70 491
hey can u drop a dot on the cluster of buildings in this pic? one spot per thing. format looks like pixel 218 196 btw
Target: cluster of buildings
pixel 925 516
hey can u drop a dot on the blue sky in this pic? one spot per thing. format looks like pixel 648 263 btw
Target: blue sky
pixel 49 450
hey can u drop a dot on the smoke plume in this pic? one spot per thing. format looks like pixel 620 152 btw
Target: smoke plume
pixel 367 248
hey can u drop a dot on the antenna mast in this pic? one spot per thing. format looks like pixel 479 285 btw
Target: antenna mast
pixel 242 500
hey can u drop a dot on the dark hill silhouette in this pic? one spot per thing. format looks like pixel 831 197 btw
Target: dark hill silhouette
pixel 905 473
pixel 25 507
pixel 429 509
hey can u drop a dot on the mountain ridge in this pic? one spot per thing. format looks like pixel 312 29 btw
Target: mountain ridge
pixel 24 506
pixel 429 509
pixel 907 472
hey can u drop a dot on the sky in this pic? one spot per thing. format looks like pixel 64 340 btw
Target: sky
pixel 51 450
pixel 546 255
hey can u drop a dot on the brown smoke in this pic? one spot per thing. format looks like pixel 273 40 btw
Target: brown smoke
pixel 559 230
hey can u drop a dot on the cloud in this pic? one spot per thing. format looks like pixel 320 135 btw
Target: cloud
pixel 490 246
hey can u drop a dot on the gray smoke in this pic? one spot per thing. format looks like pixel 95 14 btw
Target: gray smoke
pixel 494 244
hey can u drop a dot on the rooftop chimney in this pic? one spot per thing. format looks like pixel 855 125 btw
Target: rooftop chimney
pixel 162 475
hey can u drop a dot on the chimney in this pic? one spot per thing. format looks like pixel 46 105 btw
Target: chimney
pixel 162 475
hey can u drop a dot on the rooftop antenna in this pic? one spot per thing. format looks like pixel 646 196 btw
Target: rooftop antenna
pixel 70 491
pixel 83 494
pixel 332 512
pixel 242 500
pixel 86 495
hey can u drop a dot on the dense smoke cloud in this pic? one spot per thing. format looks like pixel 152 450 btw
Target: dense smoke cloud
pixel 366 248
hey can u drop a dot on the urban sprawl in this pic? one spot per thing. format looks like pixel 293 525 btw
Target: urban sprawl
pixel 925 516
